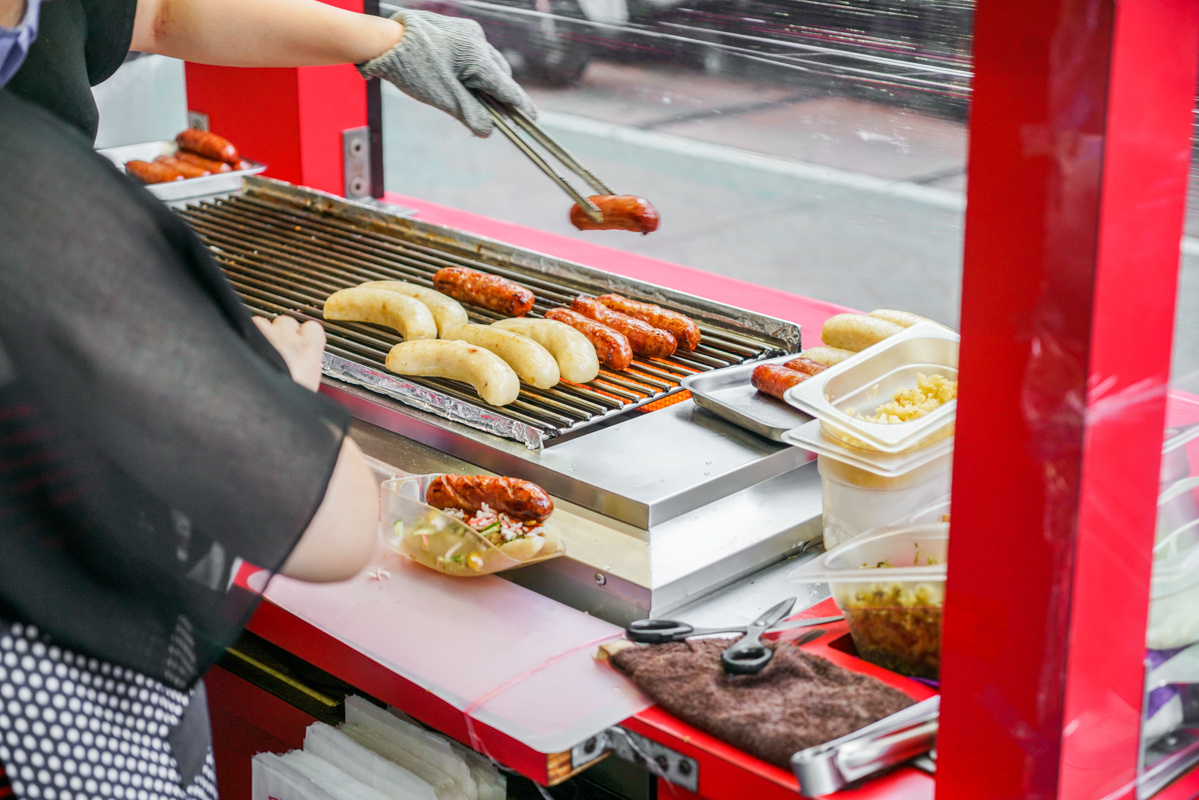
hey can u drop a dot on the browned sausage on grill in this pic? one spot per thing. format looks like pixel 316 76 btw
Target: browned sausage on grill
pixel 806 366
pixel 645 339
pixel 612 348
pixel 182 167
pixel 622 212
pixel 775 380
pixel 210 164
pixel 147 172
pixel 682 328
pixel 490 291
pixel 208 144
pixel 519 499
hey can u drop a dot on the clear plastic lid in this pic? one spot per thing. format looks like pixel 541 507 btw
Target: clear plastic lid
pixel 904 553
pixel 812 437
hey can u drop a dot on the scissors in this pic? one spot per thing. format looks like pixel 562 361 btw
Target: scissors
pixel 745 657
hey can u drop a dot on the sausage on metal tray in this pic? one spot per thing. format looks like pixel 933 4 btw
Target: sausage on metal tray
pixel 806 366
pixel 682 328
pixel 182 167
pixel 645 339
pixel 489 291
pixel 611 347
pixel 210 164
pixel 775 380
pixel 622 212
pixel 148 173
pixel 522 500
pixel 209 145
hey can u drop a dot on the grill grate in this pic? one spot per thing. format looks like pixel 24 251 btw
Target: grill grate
pixel 285 259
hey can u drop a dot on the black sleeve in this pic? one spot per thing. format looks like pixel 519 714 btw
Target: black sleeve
pixel 109 33
pixel 116 318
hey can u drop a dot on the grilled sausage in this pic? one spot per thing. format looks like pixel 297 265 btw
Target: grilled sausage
pixel 612 348
pixel 682 328
pixel 209 145
pixel 519 499
pixel 147 172
pixel 212 165
pixel 645 339
pixel 622 212
pixel 806 365
pixel 775 380
pixel 490 291
pixel 182 167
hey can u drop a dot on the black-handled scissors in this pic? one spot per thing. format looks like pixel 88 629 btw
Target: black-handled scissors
pixel 746 656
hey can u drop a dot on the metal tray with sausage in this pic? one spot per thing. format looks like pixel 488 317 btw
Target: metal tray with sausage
pixel 183 189
pixel 728 393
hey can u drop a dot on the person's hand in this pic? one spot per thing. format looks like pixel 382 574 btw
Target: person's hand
pixel 300 345
pixel 440 59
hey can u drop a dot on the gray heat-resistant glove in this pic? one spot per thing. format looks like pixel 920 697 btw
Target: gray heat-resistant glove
pixel 440 59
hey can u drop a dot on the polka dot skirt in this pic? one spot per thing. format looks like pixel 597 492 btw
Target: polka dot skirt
pixel 74 728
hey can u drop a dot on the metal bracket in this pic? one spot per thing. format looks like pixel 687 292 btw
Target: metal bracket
pixel 356 162
pixel 661 761
pixel 197 120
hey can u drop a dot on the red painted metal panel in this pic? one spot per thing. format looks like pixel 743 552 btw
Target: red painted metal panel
pixel 247 720
pixel 257 109
pixel 291 119
pixel 1075 199
pixel 331 99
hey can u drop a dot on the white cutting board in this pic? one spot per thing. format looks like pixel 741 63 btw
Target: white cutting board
pixel 461 638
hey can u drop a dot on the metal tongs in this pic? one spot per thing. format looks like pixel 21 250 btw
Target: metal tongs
pixel 904 735
pixel 502 114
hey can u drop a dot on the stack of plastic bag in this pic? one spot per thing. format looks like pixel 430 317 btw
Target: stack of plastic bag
pixel 376 755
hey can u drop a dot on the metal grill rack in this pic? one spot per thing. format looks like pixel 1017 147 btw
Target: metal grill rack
pixel 285 257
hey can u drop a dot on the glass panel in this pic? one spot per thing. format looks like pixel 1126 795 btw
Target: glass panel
pixel 812 146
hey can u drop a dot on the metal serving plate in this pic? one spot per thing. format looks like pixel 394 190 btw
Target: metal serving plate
pixel 811 437
pixel 728 393
pixel 187 188
pixel 860 384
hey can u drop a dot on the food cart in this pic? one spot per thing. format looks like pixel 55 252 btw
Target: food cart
pixel 1081 130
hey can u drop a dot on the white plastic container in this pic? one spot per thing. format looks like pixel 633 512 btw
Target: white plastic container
pixel 856 500
pixel 890 585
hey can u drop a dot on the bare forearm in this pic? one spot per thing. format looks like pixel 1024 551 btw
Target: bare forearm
pixel 261 33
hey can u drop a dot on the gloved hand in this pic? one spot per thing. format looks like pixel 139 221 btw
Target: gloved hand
pixel 439 59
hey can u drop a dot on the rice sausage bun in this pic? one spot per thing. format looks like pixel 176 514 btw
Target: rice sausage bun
pixel 574 352
pixel 446 311
pixel 489 374
pixel 904 319
pixel 826 355
pixel 532 362
pixel 410 317
pixel 856 332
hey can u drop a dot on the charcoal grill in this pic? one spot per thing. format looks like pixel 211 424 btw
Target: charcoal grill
pixel 286 249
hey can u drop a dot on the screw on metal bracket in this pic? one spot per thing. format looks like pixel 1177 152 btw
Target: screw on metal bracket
pixel 356 162
pixel 601 578
pixel 197 120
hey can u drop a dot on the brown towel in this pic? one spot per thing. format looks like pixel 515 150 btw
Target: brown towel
pixel 798 701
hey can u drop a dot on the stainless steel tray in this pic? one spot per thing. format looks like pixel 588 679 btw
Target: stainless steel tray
pixel 178 190
pixel 860 384
pixel 728 393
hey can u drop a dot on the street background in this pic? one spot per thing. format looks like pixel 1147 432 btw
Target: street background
pixel 814 147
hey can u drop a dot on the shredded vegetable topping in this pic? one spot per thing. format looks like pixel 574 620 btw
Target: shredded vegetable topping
pixel 496 527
